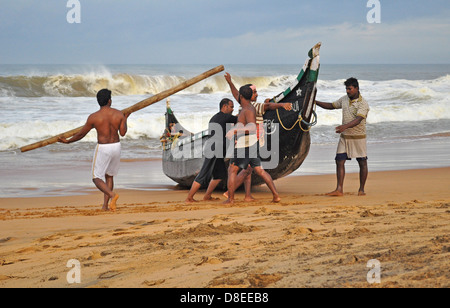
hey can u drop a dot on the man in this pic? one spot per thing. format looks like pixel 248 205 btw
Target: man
pixel 108 122
pixel 245 175
pixel 246 148
pixel 214 166
pixel 352 142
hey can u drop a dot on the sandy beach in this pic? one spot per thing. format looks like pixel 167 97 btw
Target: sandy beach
pixel 307 240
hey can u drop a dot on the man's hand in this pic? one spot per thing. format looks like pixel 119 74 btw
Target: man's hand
pixel 228 77
pixel 287 106
pixel 126 115
pixel 62 140
pixel 340 129
pixel 230 134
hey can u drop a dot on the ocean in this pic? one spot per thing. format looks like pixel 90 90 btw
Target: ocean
pixel 408 124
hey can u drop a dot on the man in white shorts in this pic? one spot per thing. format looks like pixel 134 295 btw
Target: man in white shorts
pixel 353 141
pixel 108 122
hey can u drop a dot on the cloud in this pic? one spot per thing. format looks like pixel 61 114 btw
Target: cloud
pixel 410 41
pixel 228 32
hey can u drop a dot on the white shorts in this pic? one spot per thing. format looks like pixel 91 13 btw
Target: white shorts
pixel 355 148
pixel 106 160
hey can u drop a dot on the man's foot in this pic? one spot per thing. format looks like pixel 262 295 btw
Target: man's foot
pixel 361 193
pixel 228 201
pixel 225 194
pixel 190 200
pixel 210 198
pixel 276 199
pixel 113 205
pixel 249 199
pixel 335 193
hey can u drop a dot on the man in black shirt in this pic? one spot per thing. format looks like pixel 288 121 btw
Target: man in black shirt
pixel 214 167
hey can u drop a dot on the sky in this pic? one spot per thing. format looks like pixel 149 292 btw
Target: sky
pixel 224 31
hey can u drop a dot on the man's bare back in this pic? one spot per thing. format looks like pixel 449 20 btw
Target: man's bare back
pixel 247 115
pixel 108 122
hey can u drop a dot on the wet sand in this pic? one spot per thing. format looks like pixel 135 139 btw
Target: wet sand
pixel 307 240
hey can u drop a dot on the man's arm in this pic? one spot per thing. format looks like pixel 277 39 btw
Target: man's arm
pixel 233 89
pixel 342 128
pixel 123 128
pixel 328 106
pixel 81 134
pixel 273 106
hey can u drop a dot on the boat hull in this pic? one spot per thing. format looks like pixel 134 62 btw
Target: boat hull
pixel 287 133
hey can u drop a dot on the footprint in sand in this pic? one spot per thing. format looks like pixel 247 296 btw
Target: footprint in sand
pixel 109 274
pixel 6 239
pixel 28 250
pixel 94 256
pixel 209 260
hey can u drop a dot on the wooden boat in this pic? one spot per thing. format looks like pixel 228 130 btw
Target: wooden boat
pixel 183 150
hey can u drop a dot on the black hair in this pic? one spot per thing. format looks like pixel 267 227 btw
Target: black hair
pixel 224 102
pixel 246 92
pixel 103 97
pixel 352 82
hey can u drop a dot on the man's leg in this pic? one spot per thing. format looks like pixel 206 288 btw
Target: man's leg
pixel 248 185
pixel 211 187
pixel 244 176
pixel 340 175
pixel 194 188
pixel 363 173
pixel 203 176
pixel 232 174
pixel 110 184
pixel 269 181
pixel 109 194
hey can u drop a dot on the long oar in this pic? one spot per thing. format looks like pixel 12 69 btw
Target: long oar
pixel 145 103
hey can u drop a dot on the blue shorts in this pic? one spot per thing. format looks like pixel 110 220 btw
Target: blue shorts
pixel 243 157
pixel 343 156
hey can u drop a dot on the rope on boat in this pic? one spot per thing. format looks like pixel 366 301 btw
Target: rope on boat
pixel 300 120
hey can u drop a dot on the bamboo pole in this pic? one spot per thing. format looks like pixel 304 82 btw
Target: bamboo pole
pixel 145 103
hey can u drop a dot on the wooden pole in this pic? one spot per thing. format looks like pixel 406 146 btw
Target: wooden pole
pixel 145 103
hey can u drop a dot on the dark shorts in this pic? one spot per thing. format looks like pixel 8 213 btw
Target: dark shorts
pixel 343 156
pixel 213 168
pixel 246 156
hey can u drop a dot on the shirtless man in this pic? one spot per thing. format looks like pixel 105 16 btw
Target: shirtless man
pixel 246 146
pixel 245 176
pixel 108 122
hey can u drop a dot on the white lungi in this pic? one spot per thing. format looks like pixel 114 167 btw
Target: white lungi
pixel 355 148
pixel 106 160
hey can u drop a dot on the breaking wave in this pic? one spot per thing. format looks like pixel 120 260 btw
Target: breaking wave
pixel 87 85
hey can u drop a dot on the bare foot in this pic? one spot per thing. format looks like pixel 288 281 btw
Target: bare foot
pixel 113 205
pixel 210 199
pixel 225 194
pixel 361 193
pixel 190 200
pixel 335 193
pixel 249 199
pixel 228 201
pixel 276 199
